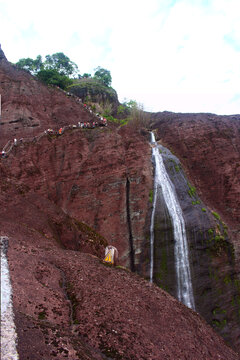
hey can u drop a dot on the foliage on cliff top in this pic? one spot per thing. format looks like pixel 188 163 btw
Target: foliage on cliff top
pixel 58 69
pixel 92 86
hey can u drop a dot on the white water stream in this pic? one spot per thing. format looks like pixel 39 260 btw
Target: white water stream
pixel 8 331
pixel 163 183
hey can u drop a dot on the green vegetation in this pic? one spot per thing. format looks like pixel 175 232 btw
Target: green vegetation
pixel 134 113
pixel 210 231
pixel 197 202
pixel 57 69
pixel 191 191
pixel 216 215
pixel 95 90
pixel 227 279
pixel 204 210
pixel 177 168
pixel 121 109
pixel 122 268
pixel 218 310
pixel 219 324
pixel 151 196
pixel 95 93
pixel 103 75
pixel 53 77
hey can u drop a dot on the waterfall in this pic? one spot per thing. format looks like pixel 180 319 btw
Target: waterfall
pixel 163 183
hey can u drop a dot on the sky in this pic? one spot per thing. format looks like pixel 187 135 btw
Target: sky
pixel 168 55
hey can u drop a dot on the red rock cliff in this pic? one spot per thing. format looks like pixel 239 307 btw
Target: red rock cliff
pixel 209 148
pixel 63 197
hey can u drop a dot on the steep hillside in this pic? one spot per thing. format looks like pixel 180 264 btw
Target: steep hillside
pixel 63 198
pixel 30 107
pixel 67 304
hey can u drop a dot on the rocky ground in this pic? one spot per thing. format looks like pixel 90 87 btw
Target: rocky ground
pixel 70 305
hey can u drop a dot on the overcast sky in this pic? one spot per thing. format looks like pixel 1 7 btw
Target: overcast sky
pixel 174 55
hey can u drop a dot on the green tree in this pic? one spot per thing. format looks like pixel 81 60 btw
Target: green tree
pixel 138 117
pixel 103 75
pixel 131 104
pixel 33 66
pixel 60 62
pixel 53 77
pixel 86 76
pixel 55 70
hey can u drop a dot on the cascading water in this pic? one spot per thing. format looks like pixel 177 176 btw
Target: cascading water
pixel 163 183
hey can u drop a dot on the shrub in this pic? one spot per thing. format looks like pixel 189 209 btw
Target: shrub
pixel 216 215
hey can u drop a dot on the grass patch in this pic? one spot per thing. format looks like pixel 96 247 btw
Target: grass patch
pixel 151 196
pixel 210 231
pixel 191 191
pixel 197 202
pixel 216 215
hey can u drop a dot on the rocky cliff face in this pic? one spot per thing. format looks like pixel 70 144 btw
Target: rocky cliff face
pixel 30 107
pixel 2 55
pixel 102 97
pixel 97 176
pixel 62 197
pixel 214 276
pixel 208 147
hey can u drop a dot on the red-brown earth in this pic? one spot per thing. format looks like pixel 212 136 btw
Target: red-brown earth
pixel 57 196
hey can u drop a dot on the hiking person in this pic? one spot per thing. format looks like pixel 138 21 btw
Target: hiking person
pixel 111 255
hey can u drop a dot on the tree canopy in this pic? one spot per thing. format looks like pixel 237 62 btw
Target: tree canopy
pixel 33 66
pixel 53 77
pixel 58 69
pixel 61 63
pixel 103 75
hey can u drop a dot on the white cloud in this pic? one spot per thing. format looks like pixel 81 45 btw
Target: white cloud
pixel 180 55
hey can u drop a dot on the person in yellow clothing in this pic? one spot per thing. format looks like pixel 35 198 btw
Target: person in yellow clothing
pixel 111 255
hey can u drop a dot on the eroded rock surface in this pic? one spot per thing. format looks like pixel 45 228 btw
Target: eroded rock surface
pixel 70 305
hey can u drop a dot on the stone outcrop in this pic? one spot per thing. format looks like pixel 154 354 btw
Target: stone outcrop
pixel 93 91
pixel 2 55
